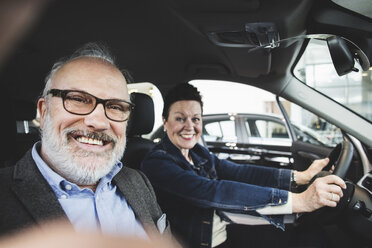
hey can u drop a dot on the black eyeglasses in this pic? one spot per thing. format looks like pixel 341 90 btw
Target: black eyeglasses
pixel 82 103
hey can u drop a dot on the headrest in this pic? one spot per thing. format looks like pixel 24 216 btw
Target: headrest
pixel 142 118
pixel 8 126
pixel 24 110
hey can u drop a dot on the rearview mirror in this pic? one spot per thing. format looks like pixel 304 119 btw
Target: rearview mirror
pixel 344 53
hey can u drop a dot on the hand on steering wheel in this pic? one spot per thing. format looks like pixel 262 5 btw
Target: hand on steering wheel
pixel 304 177
pixel 324 191
pixel 324 188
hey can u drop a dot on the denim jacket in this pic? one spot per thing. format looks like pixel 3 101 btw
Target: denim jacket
pixel 190 199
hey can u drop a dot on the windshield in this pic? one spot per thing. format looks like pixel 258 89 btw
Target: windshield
pixel 353 90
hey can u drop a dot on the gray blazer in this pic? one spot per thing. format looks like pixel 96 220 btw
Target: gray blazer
pixel 27 199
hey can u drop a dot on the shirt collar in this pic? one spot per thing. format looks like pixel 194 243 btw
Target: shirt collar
pixel 56 181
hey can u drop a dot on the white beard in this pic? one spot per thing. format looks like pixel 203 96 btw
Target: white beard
pixel 76 165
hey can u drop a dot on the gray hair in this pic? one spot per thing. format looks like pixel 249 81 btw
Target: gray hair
pixel 90 50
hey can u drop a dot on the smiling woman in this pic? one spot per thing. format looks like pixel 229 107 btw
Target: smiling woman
pixel 193 186
pixel 183 124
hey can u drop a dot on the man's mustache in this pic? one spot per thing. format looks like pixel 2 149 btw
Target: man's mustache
pixel 106 138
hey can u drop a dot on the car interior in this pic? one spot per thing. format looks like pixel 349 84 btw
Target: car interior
pixel 141 122
pixel 251 42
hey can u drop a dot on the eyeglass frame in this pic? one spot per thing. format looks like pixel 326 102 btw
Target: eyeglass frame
pixel 63 93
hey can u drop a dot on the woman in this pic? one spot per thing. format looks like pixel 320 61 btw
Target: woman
pixel 193 186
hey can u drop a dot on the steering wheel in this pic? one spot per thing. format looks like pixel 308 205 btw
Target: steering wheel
pixel 340 157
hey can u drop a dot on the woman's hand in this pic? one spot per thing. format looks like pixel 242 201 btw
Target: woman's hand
pixel 304 177
pixel 324 191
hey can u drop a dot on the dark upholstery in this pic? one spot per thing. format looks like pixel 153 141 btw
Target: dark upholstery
pixel 25 112
pixel 9 130
pixel 16 143
pixel 141 122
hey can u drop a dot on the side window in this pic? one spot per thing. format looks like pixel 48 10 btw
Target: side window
pixel 271 129
pixel 312 129
pixel 353 90
pixel 223 131
pixel 267 132
pixel 266 129
pixel 212 131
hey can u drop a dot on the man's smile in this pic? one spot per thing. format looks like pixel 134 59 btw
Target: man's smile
pixel 89 141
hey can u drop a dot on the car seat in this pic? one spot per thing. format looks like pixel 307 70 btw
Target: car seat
pixel 8 128
pixel 141 122
pixel 27 134
pixel 18 135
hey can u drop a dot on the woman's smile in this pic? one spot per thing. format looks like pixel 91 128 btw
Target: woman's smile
pixel 184 124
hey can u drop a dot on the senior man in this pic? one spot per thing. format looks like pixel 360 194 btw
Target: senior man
pixel 75 172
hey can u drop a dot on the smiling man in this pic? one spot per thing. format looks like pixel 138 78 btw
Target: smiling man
pixel 75 171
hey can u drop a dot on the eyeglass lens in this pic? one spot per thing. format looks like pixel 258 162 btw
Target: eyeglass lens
pixel 82 103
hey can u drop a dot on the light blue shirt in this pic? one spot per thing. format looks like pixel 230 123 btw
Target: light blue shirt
pixel 105 209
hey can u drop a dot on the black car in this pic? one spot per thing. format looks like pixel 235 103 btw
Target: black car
pixel 253 138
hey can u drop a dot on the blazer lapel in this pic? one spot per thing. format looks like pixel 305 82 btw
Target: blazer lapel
pixel 34 191
pixel 135 196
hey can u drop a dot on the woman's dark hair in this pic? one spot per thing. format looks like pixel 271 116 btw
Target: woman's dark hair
pixel 181 92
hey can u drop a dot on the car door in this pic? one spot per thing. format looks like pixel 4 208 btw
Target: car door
pixel 267 138
pixel 244 138
pixel 222 135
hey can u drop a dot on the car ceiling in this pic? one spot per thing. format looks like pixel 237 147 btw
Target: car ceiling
pixel 165 41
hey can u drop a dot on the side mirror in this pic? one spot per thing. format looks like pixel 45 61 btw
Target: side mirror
pixel 344 53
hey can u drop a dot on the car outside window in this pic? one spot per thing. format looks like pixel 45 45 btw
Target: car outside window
pixel 223 131
pixel 312 129
pixel 213 132
pixel 270 129
pixel 266 132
